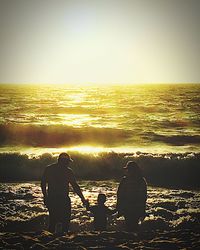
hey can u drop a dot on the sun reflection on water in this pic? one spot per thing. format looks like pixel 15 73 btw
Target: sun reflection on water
pixel 140 117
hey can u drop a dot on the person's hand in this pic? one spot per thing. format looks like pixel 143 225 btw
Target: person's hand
pixel 114 211
pixel 143 215
pixel 119 215
pixel 118 211
pixel 84 201
pixel 87 203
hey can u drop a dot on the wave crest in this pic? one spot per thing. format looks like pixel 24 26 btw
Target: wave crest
pixel 60 135
pixel 169 170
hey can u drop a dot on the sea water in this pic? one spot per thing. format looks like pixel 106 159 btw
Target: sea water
pixel 123 118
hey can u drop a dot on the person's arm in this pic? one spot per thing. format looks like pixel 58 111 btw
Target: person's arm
pixel 76 187
pixel 143 191
pixel 143 198
pixel 44 188
pixel 88 206
pixel 119 195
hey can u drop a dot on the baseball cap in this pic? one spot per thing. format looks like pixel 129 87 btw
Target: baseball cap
pixel 131 165
pixel 65 156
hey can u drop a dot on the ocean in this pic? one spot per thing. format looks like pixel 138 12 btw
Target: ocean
pixel 153 118
pixel 102 127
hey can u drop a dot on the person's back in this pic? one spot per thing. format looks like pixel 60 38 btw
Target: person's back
pixel 132 196
pixel 100 216
pixel 100 213
pixel 57 177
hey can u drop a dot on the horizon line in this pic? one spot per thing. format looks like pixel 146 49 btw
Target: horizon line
pixel 95 83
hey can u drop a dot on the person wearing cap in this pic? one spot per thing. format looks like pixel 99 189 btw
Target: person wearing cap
pixel 55 188
pixel 132 196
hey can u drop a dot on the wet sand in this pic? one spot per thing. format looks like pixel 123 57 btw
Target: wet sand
pixel 172 220
pixel 175 239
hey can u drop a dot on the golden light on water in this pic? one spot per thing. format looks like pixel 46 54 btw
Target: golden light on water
pixel 76 120
pixel 120 118
pixel 81 149
pixel 88 149
pixel 77 98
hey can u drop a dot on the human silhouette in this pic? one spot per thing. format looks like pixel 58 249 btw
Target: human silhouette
pixel 57 177
pixel 132 196
pixel 100 213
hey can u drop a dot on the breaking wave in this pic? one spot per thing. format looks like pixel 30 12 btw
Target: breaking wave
pixel 169 170
pixel 176 140
pixel 62 135
pixel 58 135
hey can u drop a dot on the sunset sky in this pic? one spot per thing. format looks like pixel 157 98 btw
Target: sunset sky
pixel 99 41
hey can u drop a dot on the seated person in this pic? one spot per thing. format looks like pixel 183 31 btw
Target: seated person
pixel 100 213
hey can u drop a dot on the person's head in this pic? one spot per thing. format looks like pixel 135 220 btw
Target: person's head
pixel 133 170
pixel 101 199
pixel 64 159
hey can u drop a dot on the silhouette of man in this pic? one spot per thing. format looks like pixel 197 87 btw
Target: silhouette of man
pixel 58 176
pixel 132 196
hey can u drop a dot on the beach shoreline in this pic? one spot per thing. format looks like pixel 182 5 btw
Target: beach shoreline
pixel 172 220
pixel 181 239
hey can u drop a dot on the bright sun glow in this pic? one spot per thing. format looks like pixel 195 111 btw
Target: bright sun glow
pixel 102 42
pixel 87 149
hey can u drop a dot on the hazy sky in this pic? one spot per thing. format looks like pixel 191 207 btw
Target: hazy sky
pixel 100 41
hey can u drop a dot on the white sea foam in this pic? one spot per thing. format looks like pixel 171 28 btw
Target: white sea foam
pixel 22 208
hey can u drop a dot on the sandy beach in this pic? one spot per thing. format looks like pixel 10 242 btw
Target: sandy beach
pixel 175 239
pixel 172 220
